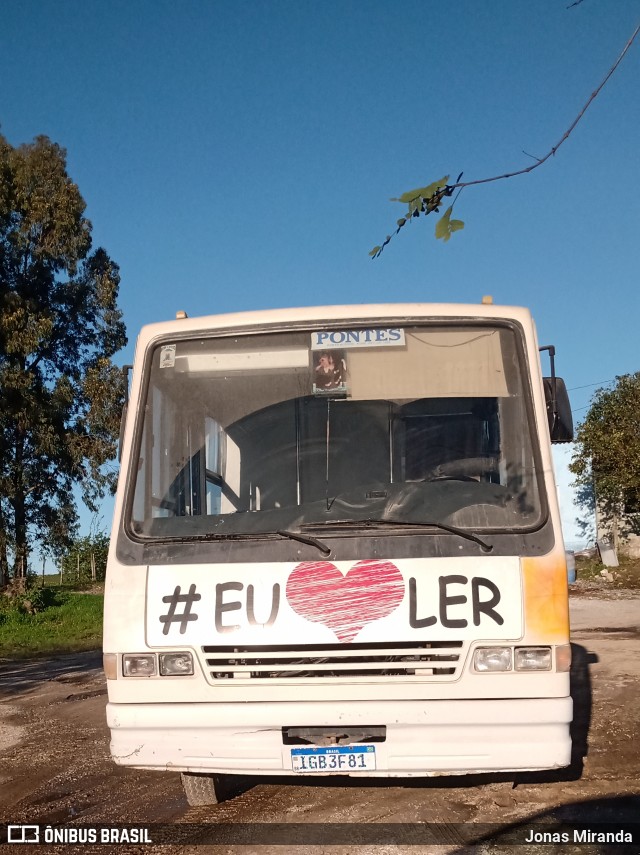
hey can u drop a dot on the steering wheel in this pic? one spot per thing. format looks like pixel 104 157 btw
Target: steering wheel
pixel 464 469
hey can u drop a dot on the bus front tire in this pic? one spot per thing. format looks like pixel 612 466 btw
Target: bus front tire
pixel 201 789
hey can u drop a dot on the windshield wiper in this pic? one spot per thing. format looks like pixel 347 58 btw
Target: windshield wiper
pixel 374 523
pixel 212 537
pixel 305 538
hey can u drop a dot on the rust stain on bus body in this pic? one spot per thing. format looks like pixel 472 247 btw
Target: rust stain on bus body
pixel 546 598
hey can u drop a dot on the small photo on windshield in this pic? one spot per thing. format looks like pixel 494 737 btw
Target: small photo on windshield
pixel 329 372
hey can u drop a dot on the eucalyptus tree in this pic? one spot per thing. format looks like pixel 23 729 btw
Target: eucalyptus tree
pixel 60 326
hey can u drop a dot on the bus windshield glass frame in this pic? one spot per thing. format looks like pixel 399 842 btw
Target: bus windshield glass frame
pixel 247 434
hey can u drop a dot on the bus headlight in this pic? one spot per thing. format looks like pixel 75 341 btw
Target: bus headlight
pixel 533 658
pixel 176 664
pixel 492 659
pixel 138 664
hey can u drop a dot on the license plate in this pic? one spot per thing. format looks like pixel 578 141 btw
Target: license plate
pixel 334 758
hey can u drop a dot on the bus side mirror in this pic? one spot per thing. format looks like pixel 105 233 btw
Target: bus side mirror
pixel 558 409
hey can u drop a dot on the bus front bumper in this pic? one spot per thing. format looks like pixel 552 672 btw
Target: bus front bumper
pixel 423 738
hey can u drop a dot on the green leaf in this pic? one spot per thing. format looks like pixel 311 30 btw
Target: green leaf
pixel 425 192
pixel 401 222
pixel 445 226
pixel 375 251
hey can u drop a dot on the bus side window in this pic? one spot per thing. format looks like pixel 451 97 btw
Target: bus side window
pixel 195 465
pixel 221 470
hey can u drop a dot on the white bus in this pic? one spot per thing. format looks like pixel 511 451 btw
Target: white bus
pixel 337 548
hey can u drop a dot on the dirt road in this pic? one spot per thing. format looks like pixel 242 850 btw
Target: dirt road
pixel 55 768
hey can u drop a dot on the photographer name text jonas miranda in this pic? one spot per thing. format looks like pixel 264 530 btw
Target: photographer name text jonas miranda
pixel 578 835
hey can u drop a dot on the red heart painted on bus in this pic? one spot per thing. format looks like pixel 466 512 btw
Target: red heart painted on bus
pixel 370 590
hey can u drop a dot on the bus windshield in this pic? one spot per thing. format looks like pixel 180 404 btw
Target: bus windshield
pixel 248 434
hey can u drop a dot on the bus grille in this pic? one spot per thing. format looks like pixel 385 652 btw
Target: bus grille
pixel 432 659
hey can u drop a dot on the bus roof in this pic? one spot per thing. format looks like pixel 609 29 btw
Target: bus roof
pixel 329 314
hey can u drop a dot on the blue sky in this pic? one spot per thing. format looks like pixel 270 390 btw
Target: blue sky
pixel 241 155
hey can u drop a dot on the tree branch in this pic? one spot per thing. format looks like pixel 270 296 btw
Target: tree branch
pixel 540 161
pixel 428 199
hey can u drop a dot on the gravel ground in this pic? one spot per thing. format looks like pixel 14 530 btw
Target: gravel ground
pixel 55 766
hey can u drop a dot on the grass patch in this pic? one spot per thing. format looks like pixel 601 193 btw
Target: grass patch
pixel 627 575
pixel 69 583
pixel 70 623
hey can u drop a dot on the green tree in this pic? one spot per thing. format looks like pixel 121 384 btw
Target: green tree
pixel 86 558
pixel 606 461
pixel 60 393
